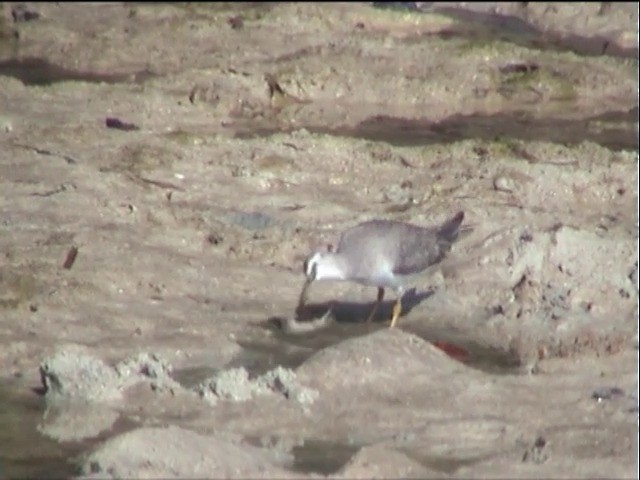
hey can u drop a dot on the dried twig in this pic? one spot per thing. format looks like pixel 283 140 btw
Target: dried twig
pixel 43 151
pixel 71 258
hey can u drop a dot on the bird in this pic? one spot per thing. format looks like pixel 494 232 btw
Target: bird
pixel 382 254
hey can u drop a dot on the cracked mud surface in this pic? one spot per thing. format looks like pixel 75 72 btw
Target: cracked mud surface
pixel 165 170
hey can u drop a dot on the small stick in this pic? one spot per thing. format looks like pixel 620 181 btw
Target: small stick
pixel 71 258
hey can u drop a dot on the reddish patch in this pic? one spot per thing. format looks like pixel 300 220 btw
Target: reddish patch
pixel 454 351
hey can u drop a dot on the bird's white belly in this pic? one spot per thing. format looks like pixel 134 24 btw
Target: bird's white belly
pixel 384 281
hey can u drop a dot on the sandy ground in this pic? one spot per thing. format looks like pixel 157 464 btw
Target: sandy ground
pixel 165 170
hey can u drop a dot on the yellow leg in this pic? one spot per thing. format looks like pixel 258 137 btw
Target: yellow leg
pixel 375 307
pixel 397 309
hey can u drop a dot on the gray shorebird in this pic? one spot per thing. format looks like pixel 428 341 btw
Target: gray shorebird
pixel 383 254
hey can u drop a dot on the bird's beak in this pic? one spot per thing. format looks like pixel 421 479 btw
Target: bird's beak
pixel 305 287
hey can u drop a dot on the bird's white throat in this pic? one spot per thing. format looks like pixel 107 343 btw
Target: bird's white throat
pixel 328 266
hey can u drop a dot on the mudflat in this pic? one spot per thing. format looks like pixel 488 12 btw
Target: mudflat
pixel 165 169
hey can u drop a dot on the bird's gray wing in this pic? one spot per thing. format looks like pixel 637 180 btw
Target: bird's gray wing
pixel 360 236
pixel 422 247
pixel 366 245
pixel 419 249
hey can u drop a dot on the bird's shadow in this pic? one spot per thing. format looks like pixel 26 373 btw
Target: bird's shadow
pixel 350 312
pixel 357 312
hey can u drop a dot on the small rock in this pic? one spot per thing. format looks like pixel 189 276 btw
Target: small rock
pixel 232 384
pixel 208 94
pixel 537 452
pixel 5 125
pixel 626 39
pixel 503 184
pixel 398 194
pixel 633 274
pixel 72 373
pixel 235 385
pixel 21 13
pixel 147 366
pixel 606 393
pixel 283 380
pixel 252 220
pixel 236 22
pixel 117 124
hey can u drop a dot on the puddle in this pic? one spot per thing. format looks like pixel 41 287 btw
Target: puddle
pixel 617 130
pixel 257 358
pixel 290 351
pixel 484 27
pixel 323 457
pixel 191 377
pixel 442 463
pixel 25 453
pixel 293 350
pixel 461 347
pixel 327 458
pixel 613 130
pixel 480 357
pixel 310 455
pixel 490 360
pixel 36 71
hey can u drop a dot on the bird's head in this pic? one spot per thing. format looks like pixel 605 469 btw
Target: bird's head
pixel 310 270
pixel 321 265
pixel 315 265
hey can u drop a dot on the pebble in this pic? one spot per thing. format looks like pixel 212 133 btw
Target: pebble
pixel 503 184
